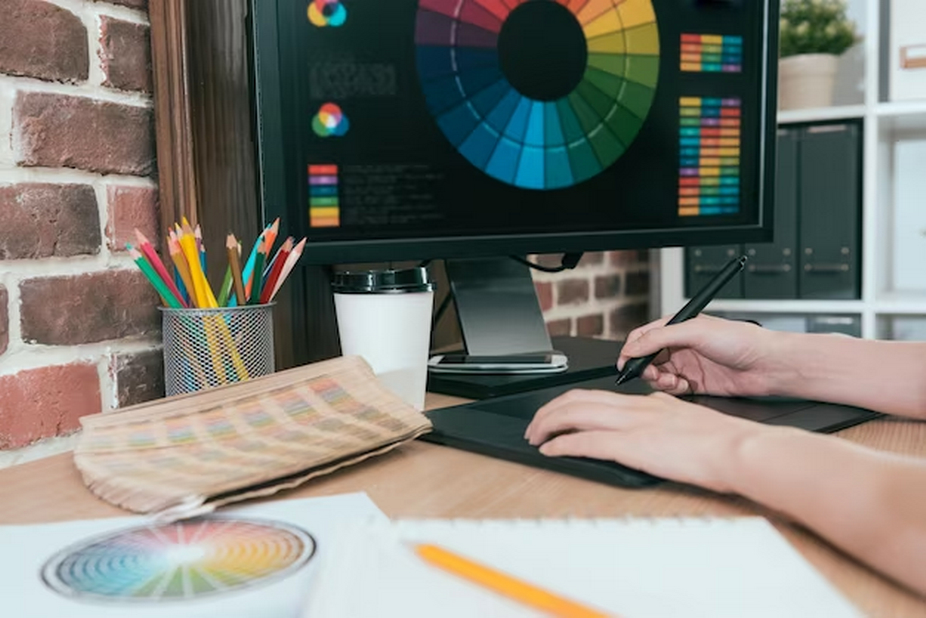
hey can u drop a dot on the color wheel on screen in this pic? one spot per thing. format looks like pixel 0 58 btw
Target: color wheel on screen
pixel 548 130
pixel 180 561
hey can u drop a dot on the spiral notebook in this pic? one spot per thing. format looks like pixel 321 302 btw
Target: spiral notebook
pixel 631 568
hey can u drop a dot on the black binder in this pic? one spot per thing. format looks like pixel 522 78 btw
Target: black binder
pixel 830 211
pixel 702 263
pixel 772 268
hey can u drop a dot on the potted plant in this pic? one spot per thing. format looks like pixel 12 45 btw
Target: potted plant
pixel 814 33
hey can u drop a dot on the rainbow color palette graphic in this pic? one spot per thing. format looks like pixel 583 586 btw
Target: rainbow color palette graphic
pixel 180 561
pixel 712 53
pixel 523 140
pixel 709 141
pixel 324 13
pixel 324 206
pixel 330 120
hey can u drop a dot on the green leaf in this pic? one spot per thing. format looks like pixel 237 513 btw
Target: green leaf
pixel 815 27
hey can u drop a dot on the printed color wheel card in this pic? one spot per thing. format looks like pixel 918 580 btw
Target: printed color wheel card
pixel 180 561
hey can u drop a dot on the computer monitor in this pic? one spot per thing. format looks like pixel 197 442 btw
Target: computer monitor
pixel 471 130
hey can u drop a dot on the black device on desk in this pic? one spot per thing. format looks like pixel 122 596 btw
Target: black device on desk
pixel 496 427
pixel 483 131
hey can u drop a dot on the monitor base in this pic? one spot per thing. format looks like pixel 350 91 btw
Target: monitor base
pixel 588 359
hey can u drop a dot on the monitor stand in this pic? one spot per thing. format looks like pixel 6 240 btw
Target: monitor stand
pixel 499 315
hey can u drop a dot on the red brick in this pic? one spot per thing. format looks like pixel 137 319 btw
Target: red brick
pixel 42 40
pixel 133 4
pixel 45 220
pixel 53 130
pixel 544 295
pixel 125 54
pixel 637 283
pixel 628 317
pixel 572 291
pixel 608 286
pixel 590 326
pixel 88 308
pixel 4 319
pixel 131 208
pixel 591 259
pixel 628 258
pixel 548 260
pixel 138 377
pixel 560 328
pixel 46 402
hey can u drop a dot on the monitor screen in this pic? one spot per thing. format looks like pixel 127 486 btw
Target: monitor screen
pixel 407 129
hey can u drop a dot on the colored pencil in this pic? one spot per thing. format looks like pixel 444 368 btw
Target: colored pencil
pixel 232 247
pixel 176 256
pixel 249 265
pixel 145 246
pixel 200 283
pixel 506 585
pixel 190 254
pixel 291 260
pixel 155 279
pixel 257 278
pixel 198 234
pixel 279 260
pixel 226 287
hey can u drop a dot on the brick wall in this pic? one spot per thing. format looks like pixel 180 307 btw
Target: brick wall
pixel 78 324
pixel 605 296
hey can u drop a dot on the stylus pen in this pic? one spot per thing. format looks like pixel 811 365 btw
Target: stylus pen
pixel 635 367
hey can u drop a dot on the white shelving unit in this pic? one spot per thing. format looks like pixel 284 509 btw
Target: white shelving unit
pixel 885 123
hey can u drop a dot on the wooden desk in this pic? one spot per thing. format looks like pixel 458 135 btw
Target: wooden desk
pixel 426 480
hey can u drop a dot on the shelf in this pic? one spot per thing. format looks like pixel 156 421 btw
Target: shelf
pixel 903 116
pixel 901 304
pixel 839 112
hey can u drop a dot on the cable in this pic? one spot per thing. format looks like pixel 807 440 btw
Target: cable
pixel 569 261
pixel 440 310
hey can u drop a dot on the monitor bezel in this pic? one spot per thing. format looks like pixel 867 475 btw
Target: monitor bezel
pixel 273 187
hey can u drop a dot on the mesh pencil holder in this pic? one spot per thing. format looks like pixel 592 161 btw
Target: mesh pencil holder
pixel 205 348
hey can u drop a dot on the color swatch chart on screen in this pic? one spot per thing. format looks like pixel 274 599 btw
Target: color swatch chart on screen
pixel 709 178
pixel 520 136
pixel 712 53
pixel 180 561
pixel 324 206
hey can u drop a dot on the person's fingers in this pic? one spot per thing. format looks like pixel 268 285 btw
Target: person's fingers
pixel 642 330
pixel 636 334
pixel 682 387
pixel 667 382
pixel 686 334
pixel 586 417
pixel 576 398
pixel 651 373
pixel 604 445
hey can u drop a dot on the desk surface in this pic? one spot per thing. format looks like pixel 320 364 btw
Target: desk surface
pixel 426 480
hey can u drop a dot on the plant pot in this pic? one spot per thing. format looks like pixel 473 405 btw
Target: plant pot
pixel 806 81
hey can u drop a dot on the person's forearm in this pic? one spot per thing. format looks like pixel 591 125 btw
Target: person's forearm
pixel 885 376
pixel 871 504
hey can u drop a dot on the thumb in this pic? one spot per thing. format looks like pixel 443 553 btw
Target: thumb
pixel 688 334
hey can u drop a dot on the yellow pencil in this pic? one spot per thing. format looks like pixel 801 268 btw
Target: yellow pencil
pixel 203 291
pixel 505 584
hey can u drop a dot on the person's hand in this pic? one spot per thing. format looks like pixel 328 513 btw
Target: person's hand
pixel 708 355
pixel 657 433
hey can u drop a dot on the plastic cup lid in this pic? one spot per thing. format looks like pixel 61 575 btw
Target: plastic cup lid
pixel 382 281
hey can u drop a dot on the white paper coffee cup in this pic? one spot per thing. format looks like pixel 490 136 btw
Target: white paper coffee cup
pixel 385 317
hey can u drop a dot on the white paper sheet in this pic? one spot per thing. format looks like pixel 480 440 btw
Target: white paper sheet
pixel 708 568
pixel 277 536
